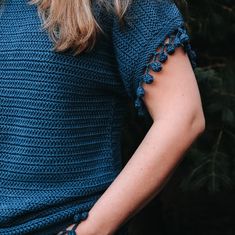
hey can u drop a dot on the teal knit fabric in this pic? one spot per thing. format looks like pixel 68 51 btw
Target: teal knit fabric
pixel 61 115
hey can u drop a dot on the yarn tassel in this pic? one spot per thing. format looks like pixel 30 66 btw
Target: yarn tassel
pixel 77 219
pixel 177 39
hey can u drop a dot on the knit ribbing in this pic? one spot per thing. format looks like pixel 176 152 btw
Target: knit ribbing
pixel 61 115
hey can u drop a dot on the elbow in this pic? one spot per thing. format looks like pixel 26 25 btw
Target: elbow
pixel 202 124
pixel 198 123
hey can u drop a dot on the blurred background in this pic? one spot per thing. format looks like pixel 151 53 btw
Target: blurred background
pixel 200 197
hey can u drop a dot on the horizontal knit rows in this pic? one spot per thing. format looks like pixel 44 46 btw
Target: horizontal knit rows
pixel 56 217
pixel 61 116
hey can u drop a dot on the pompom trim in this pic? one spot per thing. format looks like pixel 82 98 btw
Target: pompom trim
pixel 77 219
pixel 179 38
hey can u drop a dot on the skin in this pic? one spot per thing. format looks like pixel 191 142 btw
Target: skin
pixel 174 103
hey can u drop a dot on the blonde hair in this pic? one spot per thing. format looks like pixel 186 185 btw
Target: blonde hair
pixel 75 22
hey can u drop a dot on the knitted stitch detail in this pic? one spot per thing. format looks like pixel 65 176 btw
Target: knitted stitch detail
pixel 179 38
pixel 61 116
pixel 77 219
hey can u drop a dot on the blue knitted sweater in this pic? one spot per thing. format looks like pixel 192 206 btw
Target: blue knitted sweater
pixel 61 115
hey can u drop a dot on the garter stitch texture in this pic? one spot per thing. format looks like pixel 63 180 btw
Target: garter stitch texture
pixel 61 115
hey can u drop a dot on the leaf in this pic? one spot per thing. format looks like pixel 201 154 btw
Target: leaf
pixel 231 135
pixel 215 107
pixel 228 116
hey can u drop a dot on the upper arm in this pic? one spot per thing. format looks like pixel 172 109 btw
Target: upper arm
pixel 155 59
pixel 174 91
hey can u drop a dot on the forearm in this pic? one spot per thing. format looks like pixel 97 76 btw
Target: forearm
pixel 143 176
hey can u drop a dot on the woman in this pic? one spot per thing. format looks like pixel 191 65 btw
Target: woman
pixel 63 95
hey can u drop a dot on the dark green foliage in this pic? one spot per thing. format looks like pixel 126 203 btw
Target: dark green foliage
pixel 199 198
pixel 211 160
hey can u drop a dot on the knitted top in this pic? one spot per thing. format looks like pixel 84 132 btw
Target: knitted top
pixel 61 115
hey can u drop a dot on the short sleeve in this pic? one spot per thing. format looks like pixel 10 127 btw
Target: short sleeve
pixel 141 44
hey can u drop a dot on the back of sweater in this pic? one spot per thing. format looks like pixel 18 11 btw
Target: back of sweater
pixel 61 115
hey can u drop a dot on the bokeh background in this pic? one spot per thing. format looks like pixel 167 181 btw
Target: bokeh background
pixel 199 199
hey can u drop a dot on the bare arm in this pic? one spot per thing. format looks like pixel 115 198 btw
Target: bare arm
pixel 174 103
